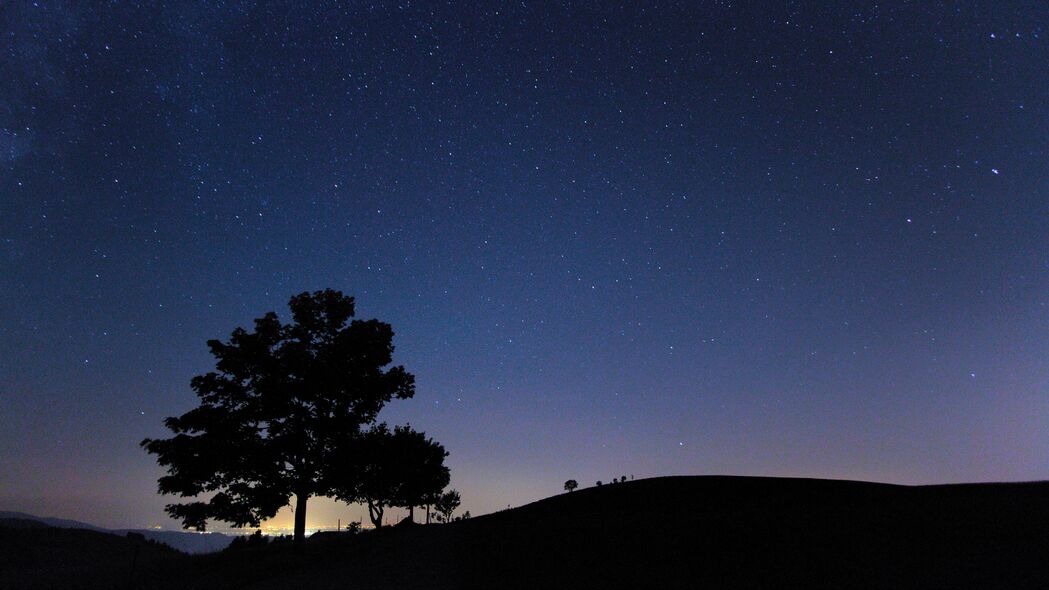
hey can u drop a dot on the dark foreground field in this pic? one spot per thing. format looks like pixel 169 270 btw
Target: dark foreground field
pixel 673 532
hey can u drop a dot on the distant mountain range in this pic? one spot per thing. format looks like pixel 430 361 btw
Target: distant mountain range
pixel 184 541
pixel 61 523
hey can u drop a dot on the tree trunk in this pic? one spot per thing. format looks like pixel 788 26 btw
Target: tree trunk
pixel 427 514
pixel 375 514
pixel 411 513
pixel 300 516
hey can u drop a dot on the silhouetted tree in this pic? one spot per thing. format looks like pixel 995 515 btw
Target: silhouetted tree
pixel 571 485
pixel 383 468
pixel 428 501
pixel 423 472
pixel 446 505
pixel 279 397
pixel 599 483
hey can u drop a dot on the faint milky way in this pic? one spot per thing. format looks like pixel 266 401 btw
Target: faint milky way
pixel 795 239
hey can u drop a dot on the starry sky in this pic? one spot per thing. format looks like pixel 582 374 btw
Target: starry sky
pixel 693 238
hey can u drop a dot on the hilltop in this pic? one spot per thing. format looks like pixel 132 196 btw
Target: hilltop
pixel 680 532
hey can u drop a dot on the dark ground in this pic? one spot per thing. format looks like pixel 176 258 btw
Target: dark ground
pixel 672 532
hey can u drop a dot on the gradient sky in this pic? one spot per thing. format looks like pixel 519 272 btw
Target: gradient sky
pixel 709 238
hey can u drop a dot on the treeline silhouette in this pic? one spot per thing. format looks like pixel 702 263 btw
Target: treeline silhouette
pixel 572 485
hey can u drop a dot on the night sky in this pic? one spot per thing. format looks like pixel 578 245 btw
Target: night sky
pixel 722 239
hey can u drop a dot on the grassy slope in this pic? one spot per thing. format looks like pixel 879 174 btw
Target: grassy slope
pixel 684 532
pixel 729 532
pixel 677 532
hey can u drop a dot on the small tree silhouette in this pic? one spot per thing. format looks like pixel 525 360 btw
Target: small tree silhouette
pixel 571 485
pixel 445 505
pixel 599 483
pixel 383 467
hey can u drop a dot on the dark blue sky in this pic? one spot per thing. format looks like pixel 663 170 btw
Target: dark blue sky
pixel 770 240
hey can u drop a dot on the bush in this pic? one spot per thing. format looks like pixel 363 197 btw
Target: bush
pixel 243 542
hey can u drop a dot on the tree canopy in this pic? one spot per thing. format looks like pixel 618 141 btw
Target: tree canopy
pixel 383 468
pixel 271 412
pixel 446 504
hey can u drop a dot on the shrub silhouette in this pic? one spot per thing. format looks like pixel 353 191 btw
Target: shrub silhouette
pixel 571 485
pixel 242 542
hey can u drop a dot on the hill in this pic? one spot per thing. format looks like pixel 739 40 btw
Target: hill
pixel 35 555
pixel 680 532
pixel 62 523
pixel 21 523
pixel 185 541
